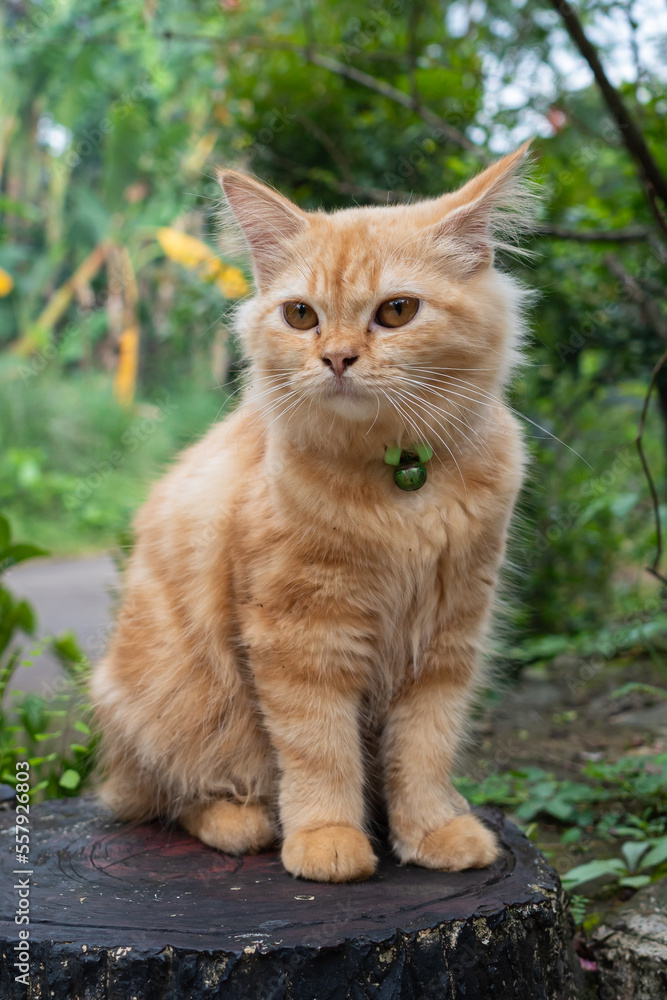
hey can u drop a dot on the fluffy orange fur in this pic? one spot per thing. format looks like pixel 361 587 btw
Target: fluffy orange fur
pixel 296 631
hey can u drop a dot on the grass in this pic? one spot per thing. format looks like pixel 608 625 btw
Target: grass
pixel 74 465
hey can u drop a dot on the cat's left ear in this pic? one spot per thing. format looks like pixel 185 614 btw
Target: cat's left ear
pixel 484 213
pixel 268 221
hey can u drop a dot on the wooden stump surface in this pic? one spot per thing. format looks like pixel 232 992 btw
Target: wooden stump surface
pixel 147 912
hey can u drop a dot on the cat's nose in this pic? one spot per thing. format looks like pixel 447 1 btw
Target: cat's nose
pixel 338 361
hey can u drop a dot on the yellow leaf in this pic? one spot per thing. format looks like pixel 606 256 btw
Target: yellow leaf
pixel 6 283
pixel 189 251
pixel 232 282
pixel 195 254
pixel 126 372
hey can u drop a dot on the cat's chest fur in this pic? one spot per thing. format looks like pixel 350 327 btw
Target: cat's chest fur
pixel 337 546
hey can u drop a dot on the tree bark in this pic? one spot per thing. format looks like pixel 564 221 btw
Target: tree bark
pixel 149 913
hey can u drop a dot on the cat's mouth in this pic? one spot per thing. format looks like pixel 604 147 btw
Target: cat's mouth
pixel 341 385
pixel 348 398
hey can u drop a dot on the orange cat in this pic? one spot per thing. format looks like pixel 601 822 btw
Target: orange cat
pixel 286 599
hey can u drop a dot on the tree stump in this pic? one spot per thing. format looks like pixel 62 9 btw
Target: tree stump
pixel 631 952
pixel 148 913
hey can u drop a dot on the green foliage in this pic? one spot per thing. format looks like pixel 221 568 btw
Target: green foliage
pixel 640 864
pixel 642 627
pixel 16 616
pixel 578 906
pixel 617 790
pixel 74 465
pixel 115 118
pixel 613 802
pixel 50 733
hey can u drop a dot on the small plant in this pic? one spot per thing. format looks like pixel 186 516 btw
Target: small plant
pixel 641 862
pixel 578 907
pixel 605 801
pixel 52 733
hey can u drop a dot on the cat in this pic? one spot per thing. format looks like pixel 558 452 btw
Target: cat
pixel 285 598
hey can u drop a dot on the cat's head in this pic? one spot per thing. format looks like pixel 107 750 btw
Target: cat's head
pixel 388 316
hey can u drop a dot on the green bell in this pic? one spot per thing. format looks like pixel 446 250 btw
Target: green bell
pixel 410 476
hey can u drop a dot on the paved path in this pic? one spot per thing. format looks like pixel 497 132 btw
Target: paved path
pixel 69 595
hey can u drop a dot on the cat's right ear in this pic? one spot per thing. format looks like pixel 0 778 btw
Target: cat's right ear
pixel 268 222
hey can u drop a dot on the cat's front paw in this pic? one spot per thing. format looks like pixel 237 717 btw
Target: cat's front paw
pixel 462 843
pixel 330 854
pixel 231 827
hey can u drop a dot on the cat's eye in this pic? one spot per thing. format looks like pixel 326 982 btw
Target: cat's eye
pixel 299 315
pixel 397 312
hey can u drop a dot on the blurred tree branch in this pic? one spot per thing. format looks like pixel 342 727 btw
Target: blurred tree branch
pixel 398 96
pixel 327 143
pixel 638 235
pixel 653 569
pixel 651 175
pixel 257 41
pixel 413 24
pixel 654 184
pixel 648 307
pixel 653 318
pixel 412 103
pixel 38 334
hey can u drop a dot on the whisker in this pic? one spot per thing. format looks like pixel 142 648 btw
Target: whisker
pixel 298 404
pixel 449 418
pixel 406 419
pixel 497 401
pixel 376 416
pixel 435 388
pixel 431 369
pixel 252 381
pixel 265 411
pixel 452 455
pixel 281 413
pixel 482 397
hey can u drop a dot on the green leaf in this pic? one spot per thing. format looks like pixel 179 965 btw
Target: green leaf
pixel 81 727
pixel 4 533
pixel 33 715
pixel 649 689
pixel 591 361
pixel 25 617
pixel 594 869
pixel 70 779
pixel 632 851
pixel 67 647
pixel 656 855
pixel 559 808
pixel 635 881
pixel 12 555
